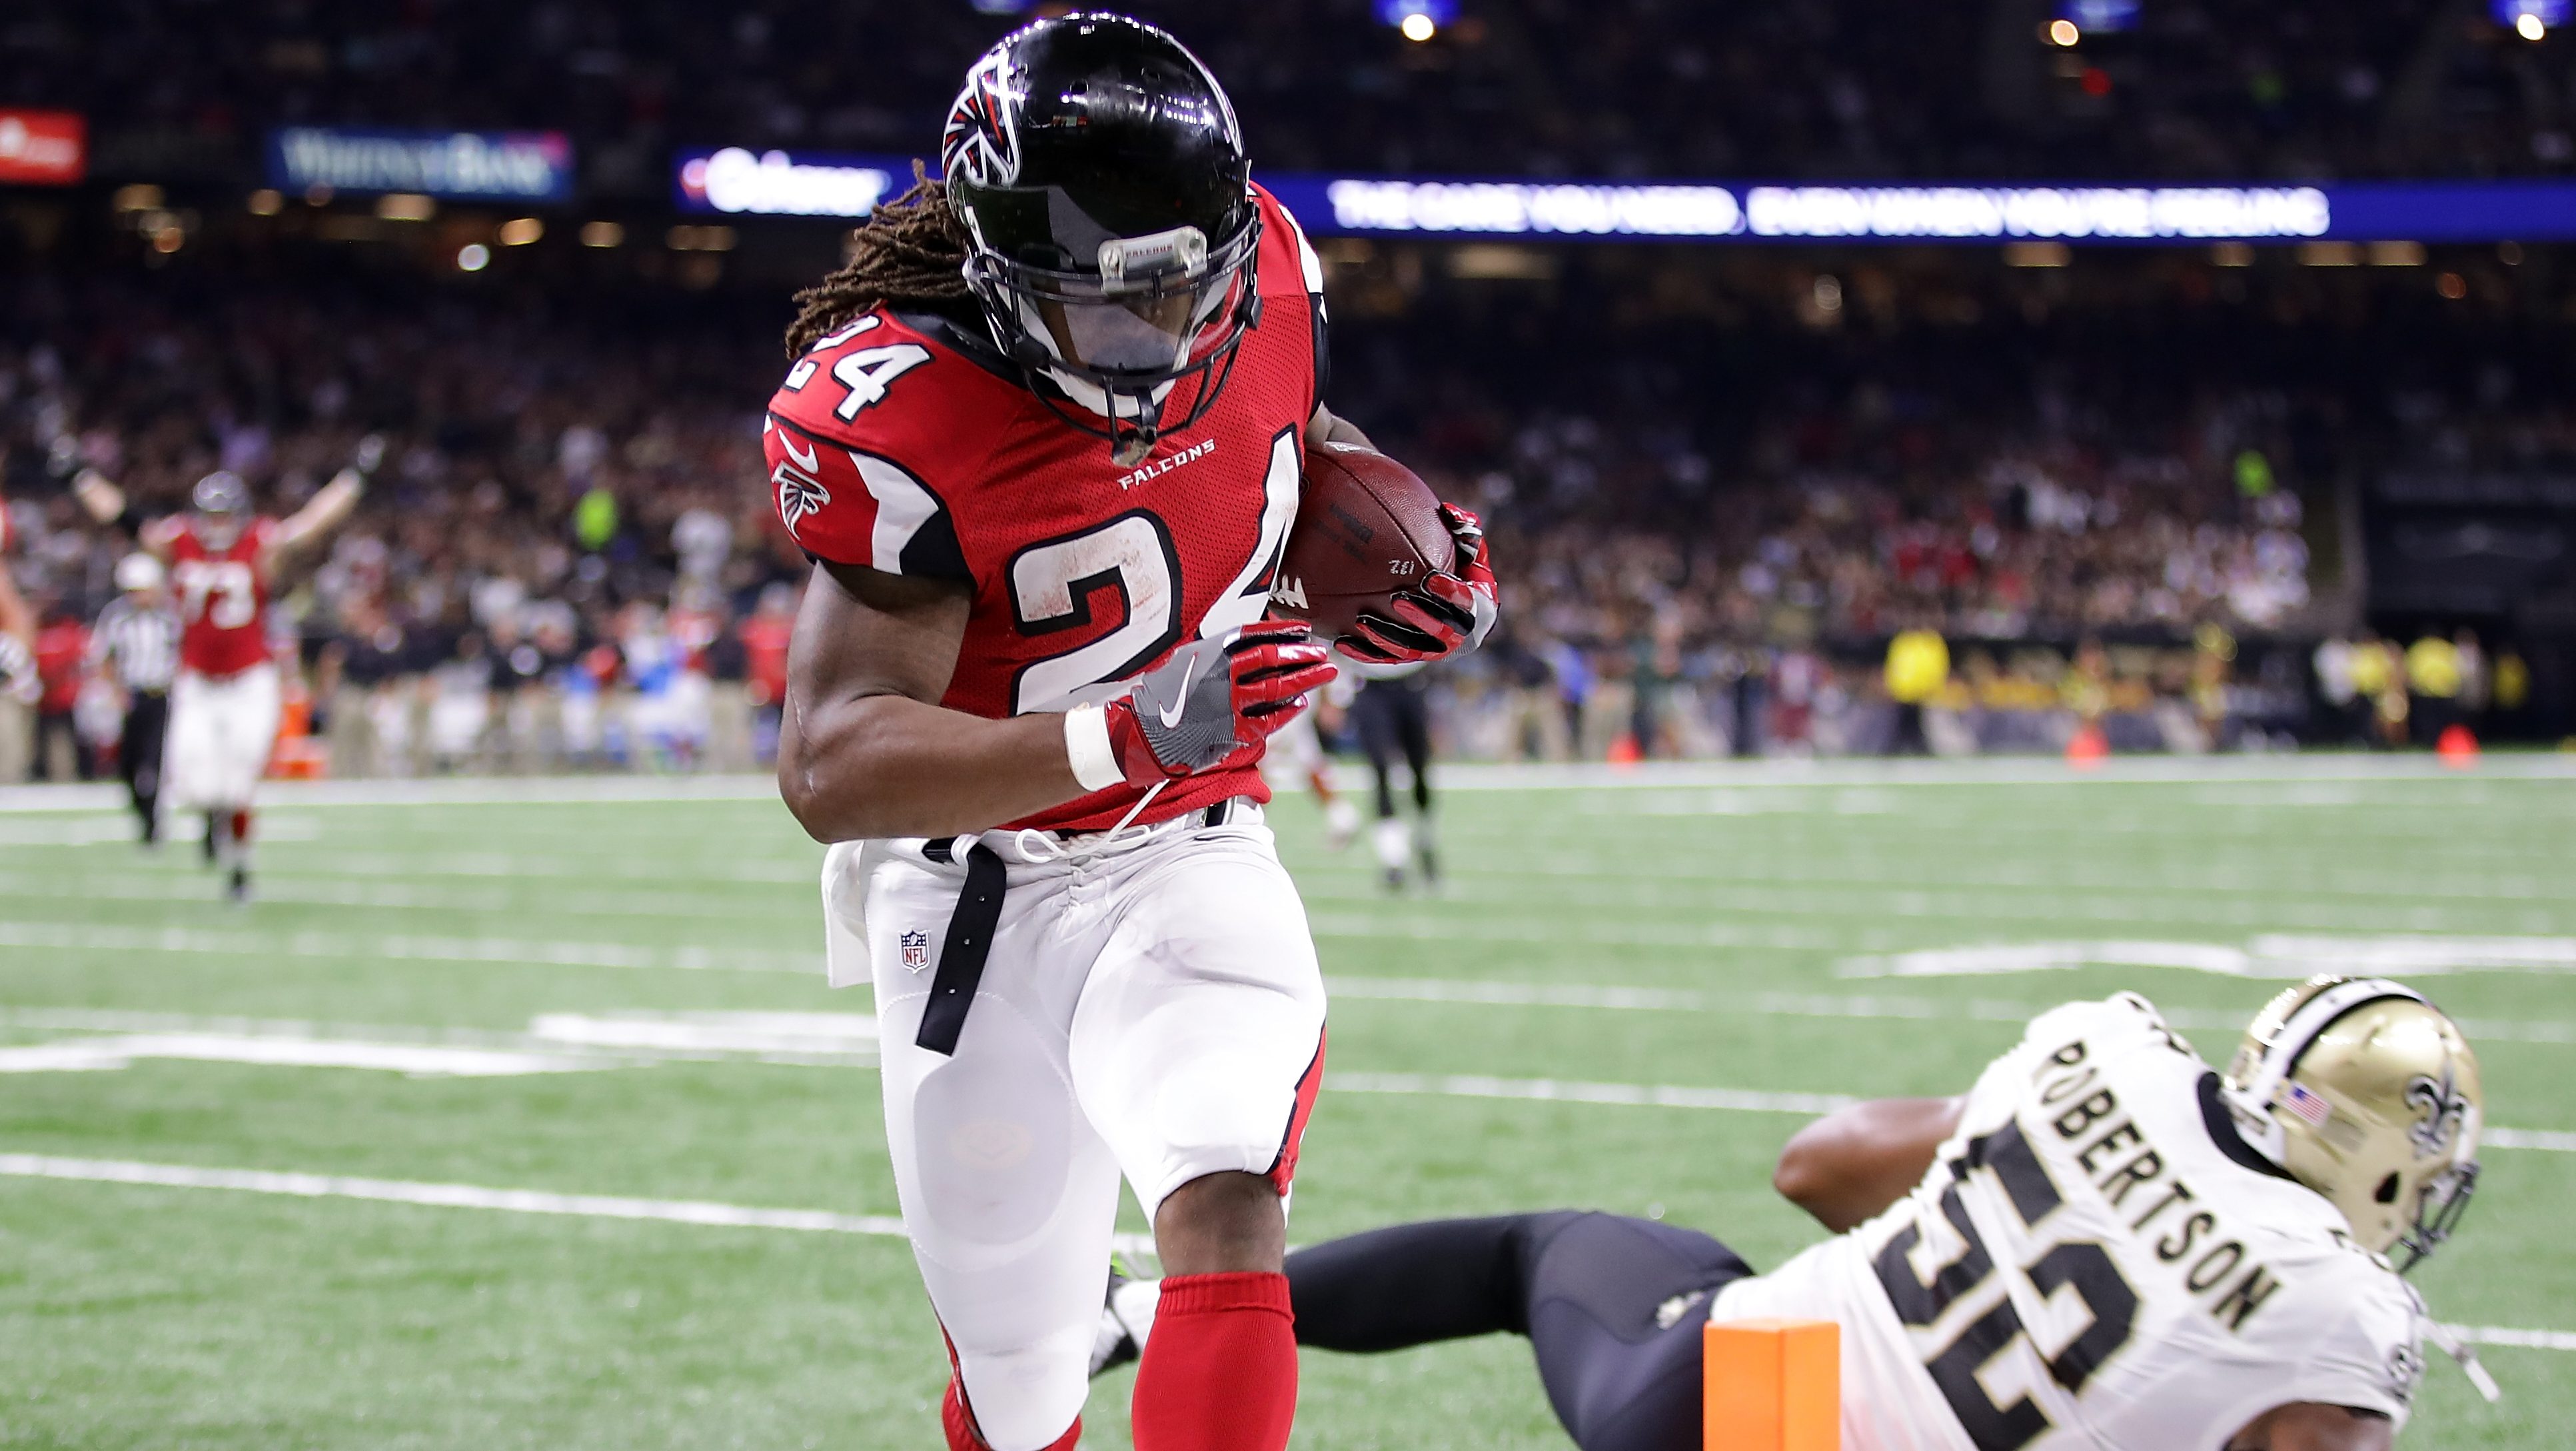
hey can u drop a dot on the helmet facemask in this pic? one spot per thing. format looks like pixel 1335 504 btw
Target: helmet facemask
pixel 1119 340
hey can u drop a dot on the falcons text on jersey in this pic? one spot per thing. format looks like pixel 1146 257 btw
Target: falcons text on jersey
pixel 896 445
pixel 222 597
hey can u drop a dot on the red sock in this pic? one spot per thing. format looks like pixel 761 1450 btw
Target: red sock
pixel 241 825
pixel 959 1423
pixel 1220 1370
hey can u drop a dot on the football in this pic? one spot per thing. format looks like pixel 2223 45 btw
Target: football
pixel 1366 528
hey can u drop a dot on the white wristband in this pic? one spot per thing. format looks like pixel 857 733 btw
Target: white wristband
pixel 1086 745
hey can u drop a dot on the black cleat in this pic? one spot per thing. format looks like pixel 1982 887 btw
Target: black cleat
pixel 239 888
pixel 210 838
pixel 1115 1345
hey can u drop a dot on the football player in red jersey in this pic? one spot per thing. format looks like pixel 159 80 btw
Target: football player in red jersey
pixel 225 563
pixel 1044 437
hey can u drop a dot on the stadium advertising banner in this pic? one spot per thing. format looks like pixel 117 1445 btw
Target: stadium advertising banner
pixel 777 183
pixel 42 148
pixel 524 166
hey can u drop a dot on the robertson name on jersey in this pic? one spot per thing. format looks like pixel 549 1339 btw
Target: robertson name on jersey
pixel 2095 1261
pixel 898 446
pixel 222 596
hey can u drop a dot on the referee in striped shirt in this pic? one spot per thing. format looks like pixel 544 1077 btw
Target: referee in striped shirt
pixel 136 643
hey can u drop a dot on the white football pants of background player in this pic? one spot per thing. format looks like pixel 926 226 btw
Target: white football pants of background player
pixel 1151 1008
pixel 222 729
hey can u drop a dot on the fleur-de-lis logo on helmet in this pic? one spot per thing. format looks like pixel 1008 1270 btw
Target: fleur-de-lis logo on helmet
pixel 2441 1106
pixel 982 142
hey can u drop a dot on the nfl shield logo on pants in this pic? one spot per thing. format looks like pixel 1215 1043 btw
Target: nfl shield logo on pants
pixel 916 951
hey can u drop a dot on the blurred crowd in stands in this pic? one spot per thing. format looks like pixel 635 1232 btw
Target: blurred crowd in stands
pixel 571 558
pixel 2303 89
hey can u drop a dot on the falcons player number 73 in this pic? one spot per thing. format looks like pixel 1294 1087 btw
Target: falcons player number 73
pixel 1043 436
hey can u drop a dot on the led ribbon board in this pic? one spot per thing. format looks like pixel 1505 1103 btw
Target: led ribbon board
pixel 737 181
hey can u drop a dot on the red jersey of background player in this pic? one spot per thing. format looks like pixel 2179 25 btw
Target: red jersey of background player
pixel 896 445
pixel 222 596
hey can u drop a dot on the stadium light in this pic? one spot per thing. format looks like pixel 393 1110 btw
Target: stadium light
pixel 473 257
pixel 266 202
pixel 1417 20
pixel 2530 19
pixel 520 231
pixel 406 206
pixel 2063 32
pixel 602 234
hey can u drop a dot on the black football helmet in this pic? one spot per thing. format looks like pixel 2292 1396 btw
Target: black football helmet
pixel 1100 175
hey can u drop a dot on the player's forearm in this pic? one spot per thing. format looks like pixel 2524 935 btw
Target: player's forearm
pixel 327 510
pixel 1849 1166
pixel 887 765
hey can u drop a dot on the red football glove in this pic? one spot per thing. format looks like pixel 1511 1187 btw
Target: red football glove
pixel 1450 613
pixel 1213 699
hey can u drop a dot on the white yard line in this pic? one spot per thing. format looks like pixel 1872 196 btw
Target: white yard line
pixel 1489 993
pixel 470 1196
pixel 672 1211
pixel 1556 1090
pixel 99 936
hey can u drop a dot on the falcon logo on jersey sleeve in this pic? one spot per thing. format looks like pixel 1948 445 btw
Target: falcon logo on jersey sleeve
pixel 798 477
pixel 854 507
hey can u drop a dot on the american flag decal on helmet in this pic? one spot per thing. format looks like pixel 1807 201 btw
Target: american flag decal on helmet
pixel 2309 1108
pixel 982 142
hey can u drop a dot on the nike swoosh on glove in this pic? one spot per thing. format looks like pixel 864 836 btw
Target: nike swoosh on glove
pixel 1449 614
pixel 1213 699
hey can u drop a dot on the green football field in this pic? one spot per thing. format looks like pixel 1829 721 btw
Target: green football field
pixel 504 1118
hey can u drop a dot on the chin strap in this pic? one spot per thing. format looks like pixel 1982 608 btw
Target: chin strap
pixel 2458 1349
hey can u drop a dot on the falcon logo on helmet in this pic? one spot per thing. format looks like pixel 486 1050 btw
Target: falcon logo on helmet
pixel 982 141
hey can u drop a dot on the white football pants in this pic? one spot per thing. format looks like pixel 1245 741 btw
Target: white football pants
pixel 222 729
pixel 1154 1011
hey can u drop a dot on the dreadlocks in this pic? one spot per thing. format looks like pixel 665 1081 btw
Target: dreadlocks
pixel 913 251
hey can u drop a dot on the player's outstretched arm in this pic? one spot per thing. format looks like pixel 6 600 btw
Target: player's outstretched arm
pixel 328 509
pixel 864 750
pixel 2307 1426
pixel 1849 1166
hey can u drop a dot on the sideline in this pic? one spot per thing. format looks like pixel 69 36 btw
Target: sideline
pixel 1461 776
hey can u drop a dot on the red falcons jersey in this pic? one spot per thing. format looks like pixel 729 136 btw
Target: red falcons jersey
pixel 223 598
pixel 897 445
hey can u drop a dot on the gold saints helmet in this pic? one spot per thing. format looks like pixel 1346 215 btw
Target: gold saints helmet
pixel 2368 1094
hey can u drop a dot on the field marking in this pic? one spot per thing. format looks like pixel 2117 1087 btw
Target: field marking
pixel 2271 955
pixel 473 1196
pixel 416 1060
pixel 1555 1090
pixel 1727 1100
pixel 98 936
pixel 1469 776
pixel 698 1212
pixel 579 1040
pixel 1486 992
pixel 333 890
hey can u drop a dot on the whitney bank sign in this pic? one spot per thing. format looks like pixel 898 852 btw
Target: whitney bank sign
pixel 531 166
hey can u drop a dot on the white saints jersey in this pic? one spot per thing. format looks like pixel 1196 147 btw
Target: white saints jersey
pixel 2086 1266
